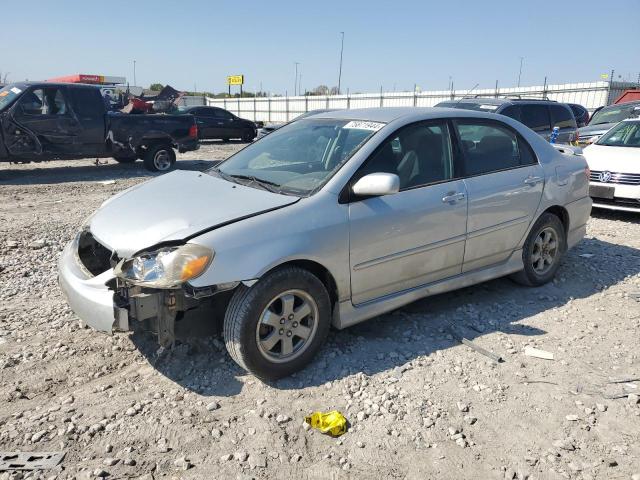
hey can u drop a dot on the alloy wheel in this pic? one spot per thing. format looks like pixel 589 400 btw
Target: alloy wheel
pixel 287 326
pixel 545 251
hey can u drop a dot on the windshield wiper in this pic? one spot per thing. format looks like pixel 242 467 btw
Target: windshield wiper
pixel 266 184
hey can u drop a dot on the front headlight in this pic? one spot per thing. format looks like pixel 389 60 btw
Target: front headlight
pixel 167 267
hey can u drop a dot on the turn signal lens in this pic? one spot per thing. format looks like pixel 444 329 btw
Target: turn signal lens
pixel 194 268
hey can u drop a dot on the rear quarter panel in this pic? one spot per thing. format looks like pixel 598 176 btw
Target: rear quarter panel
pixel 566 181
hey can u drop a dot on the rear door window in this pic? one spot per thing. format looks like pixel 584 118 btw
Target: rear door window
pixel 536 117
pixel 491 147
pixel 87 102
pixel 562 117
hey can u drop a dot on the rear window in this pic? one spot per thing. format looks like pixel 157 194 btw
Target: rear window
pixel 87 102
pixel 562 117
pixel 536 117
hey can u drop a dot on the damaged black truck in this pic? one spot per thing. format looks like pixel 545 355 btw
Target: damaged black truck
pixel 65 121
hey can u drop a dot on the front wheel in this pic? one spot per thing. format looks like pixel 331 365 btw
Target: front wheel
pixel 159 158
pixel 248 136
pixel 274 328
pixel 542 251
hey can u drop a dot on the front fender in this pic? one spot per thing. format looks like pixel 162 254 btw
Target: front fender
pixel 314 229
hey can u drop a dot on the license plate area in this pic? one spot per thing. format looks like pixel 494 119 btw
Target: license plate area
pixel 601 191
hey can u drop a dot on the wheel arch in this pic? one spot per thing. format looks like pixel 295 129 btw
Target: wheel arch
pixel 562 214
pixel 317 269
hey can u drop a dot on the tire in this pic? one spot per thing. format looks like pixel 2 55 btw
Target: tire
pixel 159 158
pixel 248 136
pixel 546 229
pixel 252 323
pixel 125 159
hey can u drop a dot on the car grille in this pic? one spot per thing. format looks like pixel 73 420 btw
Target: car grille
pixel 619 178
pixel 95 257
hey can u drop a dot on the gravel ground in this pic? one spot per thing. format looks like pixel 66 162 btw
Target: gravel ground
pixel 420 404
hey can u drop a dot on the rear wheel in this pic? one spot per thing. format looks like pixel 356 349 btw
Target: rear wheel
pixel 542 251
pixel 274 328
pixel 159 158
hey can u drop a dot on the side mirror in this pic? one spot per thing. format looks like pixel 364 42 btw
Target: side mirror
pixel 377 184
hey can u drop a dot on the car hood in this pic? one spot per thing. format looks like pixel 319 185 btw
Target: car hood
pixel 613 159
pixel 176 206
pixel 592 130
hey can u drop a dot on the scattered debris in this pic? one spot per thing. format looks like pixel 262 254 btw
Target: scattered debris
pixel 29 460
pixel 108 182
pixel 586 255
pixel 535 352
pixel 332 422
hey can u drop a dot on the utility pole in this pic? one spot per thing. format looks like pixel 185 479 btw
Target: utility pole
pixel 340 70
pixel 134 74
pixel 520 72
pixel 295 83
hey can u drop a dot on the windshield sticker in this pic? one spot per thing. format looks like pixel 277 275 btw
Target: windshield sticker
pixel 362 125
pixel 489 107
pixel 16 90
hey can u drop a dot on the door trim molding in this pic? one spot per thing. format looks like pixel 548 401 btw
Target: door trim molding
pixel 499 226
pixel 407 253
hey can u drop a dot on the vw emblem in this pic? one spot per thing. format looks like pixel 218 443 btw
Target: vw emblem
pixel 605 177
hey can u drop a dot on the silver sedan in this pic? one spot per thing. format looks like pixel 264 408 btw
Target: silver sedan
pixel 332 219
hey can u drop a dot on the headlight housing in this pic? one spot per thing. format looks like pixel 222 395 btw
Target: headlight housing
pixel 166 267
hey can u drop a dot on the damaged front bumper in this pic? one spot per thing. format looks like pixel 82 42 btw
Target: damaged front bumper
pixel 89 296
pixel 107 303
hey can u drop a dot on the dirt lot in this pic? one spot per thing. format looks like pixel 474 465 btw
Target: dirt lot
pixel 420 404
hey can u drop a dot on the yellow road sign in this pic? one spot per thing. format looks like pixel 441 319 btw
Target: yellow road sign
pixel 235 80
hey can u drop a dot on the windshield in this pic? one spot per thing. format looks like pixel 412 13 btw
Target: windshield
pixel 615 114
pixel 625 134
pixel 8 94
pixel 479 107
pixel 299 157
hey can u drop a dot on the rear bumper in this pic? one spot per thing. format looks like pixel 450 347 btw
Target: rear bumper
pixel 579 213
pixel 189 146
pixel 89 297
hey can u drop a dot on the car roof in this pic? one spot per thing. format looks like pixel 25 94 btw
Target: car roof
pixel 53 84
pixel 625 104
pixel 390 114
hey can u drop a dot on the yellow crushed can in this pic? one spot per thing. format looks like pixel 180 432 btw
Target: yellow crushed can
pixel 332 422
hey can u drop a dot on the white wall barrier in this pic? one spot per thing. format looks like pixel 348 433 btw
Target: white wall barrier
pixel 282 109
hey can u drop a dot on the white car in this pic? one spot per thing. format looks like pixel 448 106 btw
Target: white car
pixel 614 161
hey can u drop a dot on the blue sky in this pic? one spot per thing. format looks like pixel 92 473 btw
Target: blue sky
pixel 389 44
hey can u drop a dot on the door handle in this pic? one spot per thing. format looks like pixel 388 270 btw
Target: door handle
pixel 452 198
pixel 531 181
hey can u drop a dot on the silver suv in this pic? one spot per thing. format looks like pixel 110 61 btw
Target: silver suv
pixel 333 219
pixel 541 116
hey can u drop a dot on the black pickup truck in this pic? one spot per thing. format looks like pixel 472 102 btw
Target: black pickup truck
pixel 60 121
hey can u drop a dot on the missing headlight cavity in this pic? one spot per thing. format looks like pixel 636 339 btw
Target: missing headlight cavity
pixel 95 257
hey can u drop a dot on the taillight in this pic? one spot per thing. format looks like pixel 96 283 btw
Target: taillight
pixel 193 131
